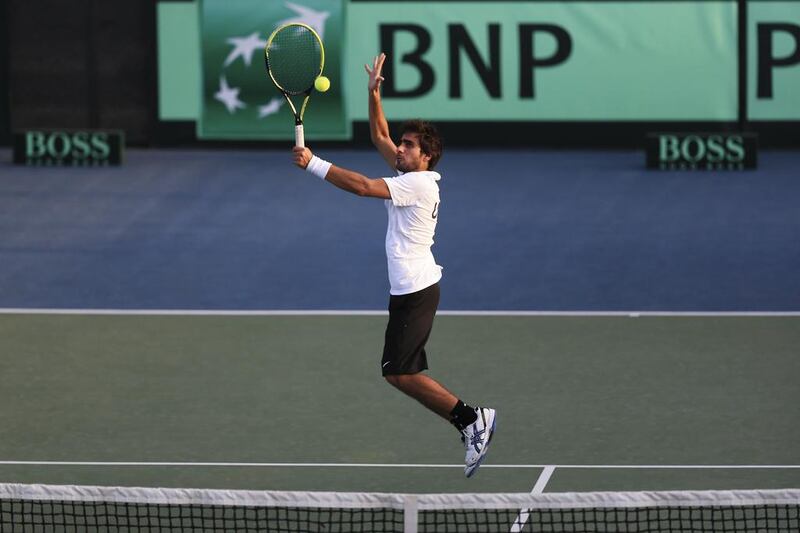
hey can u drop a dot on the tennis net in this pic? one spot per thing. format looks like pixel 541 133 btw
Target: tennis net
pixel 62 508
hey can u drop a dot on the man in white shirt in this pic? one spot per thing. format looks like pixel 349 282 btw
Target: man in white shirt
pixel 412 202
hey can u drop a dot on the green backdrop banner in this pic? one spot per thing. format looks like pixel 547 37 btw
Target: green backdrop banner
pixel 178 61
pixel 549 60
pixel 493 61
pixel 773 59
pixel 238 101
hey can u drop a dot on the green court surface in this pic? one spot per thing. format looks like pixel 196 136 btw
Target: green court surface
pixel 297 402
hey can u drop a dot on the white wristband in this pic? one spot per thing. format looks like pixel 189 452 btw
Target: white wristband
pixel 318 167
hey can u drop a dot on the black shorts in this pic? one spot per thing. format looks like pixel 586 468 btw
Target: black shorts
pixel 410 323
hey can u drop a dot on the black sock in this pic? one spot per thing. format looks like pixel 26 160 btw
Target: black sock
pixel 462 415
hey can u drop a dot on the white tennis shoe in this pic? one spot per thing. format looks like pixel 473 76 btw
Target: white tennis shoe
pixel 476 439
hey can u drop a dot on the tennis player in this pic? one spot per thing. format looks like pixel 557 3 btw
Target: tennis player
pixel 412 202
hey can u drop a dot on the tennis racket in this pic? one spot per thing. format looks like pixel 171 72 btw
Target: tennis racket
pixel 295 58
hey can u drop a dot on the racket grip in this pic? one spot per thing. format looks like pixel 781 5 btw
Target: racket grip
pixel 299 139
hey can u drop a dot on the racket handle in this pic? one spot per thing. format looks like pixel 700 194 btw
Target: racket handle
pixel 299 139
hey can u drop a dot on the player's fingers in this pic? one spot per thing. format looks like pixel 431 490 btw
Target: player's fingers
pixel 302 153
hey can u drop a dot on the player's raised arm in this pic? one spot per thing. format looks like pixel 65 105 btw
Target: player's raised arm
pixel 341 177
pixel 378 127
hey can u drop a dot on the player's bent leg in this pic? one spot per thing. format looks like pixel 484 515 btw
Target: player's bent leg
pixel 476 425
pixel 426 391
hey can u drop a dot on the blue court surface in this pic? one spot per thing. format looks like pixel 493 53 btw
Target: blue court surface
pixel 518 230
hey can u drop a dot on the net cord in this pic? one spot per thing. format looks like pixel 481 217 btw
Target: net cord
pixel 409 502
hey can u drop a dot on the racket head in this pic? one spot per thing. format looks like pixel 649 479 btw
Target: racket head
pixel 294 58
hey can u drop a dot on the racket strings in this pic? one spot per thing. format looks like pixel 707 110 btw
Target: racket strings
pixel 294 59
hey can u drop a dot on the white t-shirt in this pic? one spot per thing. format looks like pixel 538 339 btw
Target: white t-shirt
pixel 413 212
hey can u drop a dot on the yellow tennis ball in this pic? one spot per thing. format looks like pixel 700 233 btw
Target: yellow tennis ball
pixel 322 84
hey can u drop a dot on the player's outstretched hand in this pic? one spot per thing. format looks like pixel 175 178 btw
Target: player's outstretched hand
pixel 375 77
pixel 302 156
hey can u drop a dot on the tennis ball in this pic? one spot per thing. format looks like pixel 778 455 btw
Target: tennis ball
pixel 322 84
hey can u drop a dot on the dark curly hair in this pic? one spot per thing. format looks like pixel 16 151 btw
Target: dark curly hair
pixel 429 141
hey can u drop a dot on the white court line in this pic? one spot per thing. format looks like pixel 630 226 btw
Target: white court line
pixel 384 465
pixel 538 488
pixel 544 478
pixel 191 312
pixel 367 312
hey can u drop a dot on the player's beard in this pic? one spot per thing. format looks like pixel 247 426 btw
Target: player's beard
pixel 403 165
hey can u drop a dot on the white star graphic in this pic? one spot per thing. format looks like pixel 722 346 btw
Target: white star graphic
pixel 229 96
pixel 244 47
pixel 271 108
pixel 315 19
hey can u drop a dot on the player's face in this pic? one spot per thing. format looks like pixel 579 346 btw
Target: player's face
pixel 409 154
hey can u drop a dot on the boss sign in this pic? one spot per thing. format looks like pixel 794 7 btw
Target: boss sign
pixel 701 151
pixel 68 147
